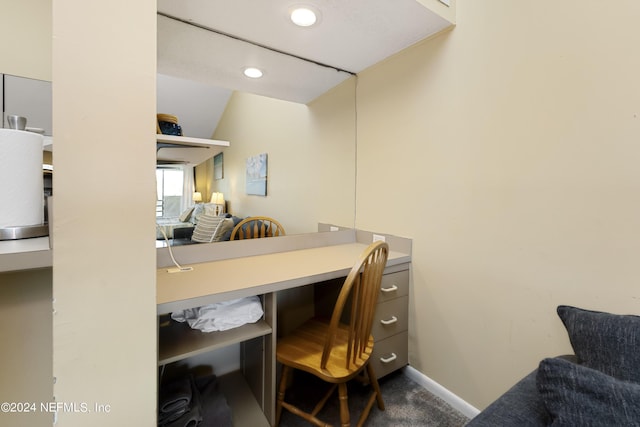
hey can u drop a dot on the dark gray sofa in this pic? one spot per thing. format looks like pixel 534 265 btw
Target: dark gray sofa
pixel 598 386
pixel 521 405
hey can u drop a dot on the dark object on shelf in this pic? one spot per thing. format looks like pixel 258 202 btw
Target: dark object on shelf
pixel 168 125
pixel 179 404
pixel 170 128
pixel 215 410
pixel 189 402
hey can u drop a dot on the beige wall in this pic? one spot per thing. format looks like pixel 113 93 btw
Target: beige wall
pixel 104 327
pixel 25 38
pixel 25 297
pixel 508 148
pixel 311 158
pixel 25 330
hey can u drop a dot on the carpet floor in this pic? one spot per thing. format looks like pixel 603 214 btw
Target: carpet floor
pixel 406 404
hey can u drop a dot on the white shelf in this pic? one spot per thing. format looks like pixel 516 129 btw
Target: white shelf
pixel 178 341
pixel 190 141
pixel 184 149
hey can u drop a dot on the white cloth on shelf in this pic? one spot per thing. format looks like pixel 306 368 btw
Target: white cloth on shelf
pixel 221 316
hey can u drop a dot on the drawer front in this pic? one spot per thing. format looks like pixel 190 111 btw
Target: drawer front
pixel 391 317
pixel 394 285
pixel 390 354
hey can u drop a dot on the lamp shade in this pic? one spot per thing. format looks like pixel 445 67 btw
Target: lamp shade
pixel 217 198
pixel 197 196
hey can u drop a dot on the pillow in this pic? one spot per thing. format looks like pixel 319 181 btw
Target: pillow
pixel 225 235
pixel 206 228
pixel 607 342
pixel 224 230
pixel 184 216
pixel 576 395
pixel 198 210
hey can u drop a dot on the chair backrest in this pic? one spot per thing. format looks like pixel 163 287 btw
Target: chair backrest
pixel 361 288
pixel 255 227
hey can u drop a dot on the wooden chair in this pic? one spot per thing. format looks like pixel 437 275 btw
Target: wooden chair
pixel 338 352
pixel 255 227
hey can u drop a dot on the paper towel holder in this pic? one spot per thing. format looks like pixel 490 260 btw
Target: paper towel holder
pixel 24 232
pixel 28 231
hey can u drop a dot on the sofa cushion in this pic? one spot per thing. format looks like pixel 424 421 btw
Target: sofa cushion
pixel 576 395
pixel 606 342
pixel 196 213
pixel 206 228
pixel 520 406
pixel 224 231
pixel 186 215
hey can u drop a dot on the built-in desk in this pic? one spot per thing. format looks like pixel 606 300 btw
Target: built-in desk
pixel 271 265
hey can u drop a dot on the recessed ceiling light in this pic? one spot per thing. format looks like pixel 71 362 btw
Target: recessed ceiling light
pixel 303 16
pixel 252 72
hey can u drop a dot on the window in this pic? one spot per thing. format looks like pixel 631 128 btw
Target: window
pixel 170 198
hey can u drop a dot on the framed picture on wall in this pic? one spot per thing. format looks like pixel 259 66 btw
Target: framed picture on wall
pixel 218 166
pixel 256 175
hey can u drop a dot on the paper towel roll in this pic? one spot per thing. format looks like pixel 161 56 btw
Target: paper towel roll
pixel 21 184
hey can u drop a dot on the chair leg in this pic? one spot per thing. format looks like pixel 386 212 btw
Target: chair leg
pixel 376 387
pixel 281 390
pixel 344 405
pixel 321 403
pixel 375 395
pixel 281 404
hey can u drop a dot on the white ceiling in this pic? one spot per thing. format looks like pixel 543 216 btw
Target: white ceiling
pixel 198 106
pixel 351 35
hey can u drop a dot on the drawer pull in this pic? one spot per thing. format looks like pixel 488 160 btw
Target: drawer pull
pixel 393 319
pixel 389 289
pixel 389 359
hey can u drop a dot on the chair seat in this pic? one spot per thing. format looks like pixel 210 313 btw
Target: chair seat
pixel 302 350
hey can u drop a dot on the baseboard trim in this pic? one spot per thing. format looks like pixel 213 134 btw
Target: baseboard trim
pixel 433 387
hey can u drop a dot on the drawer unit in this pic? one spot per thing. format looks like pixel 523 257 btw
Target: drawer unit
pixel 390 354
pixel 391 324
pixel 394 285
pixel 390 318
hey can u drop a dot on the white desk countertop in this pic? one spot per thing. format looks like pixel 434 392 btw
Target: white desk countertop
pixel 215 281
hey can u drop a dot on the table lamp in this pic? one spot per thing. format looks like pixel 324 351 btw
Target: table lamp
pixel 218 200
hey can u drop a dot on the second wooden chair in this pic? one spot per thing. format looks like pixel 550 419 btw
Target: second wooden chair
pixel 255 227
